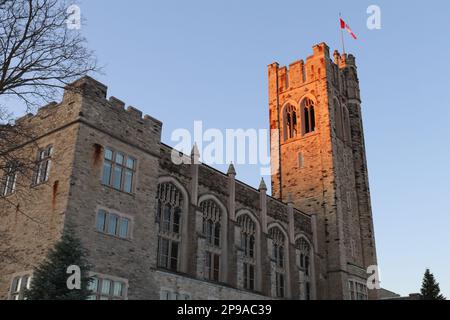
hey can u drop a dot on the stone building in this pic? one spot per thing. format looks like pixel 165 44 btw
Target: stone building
pixel 158 230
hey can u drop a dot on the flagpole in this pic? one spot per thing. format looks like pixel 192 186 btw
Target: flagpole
pixel 342 33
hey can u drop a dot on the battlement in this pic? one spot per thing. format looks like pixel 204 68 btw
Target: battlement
pixel 93 89
pixel 300 72
pixel 90 88
pixel 85 101
pixel 317 66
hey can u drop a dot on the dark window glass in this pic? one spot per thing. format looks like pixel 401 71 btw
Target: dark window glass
pixel 106 178
pixel 174 256
pixel 101 221
pixel 124 225
pixel 112 224
pixel 117 177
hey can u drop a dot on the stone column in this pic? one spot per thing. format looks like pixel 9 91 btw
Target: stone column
pixel 232 192
pixel 290 264
pixel 261 247
pixel 188 265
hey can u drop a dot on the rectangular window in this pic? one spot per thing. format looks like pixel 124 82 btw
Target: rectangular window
pixel 18 286
pixel 358 290
pixel 101 221
pixel 168 251
pixel 280 285
pixel 212 266
pixel 105 288
pixel 169 295
pixel 278 255
pixel 8 183
pixel 174 256
pixel 124 225
pixel 113 224
pixel 118 170
pixel 249 276
pixel 43 165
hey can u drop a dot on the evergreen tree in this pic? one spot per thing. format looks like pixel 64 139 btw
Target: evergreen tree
pixel 430 288
pixel 49 280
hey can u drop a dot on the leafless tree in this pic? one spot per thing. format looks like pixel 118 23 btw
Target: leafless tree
pixel 39 55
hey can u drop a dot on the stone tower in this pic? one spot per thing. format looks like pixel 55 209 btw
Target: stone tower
pixel 319 160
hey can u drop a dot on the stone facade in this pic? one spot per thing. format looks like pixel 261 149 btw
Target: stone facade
pixel 299 239
pixel 324 169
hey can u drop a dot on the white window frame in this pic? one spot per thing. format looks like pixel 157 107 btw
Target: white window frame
pixel 9 180
pixel 19 294
pixel 121 218
pixel 99 295
pixel 124 169
pixel 44 158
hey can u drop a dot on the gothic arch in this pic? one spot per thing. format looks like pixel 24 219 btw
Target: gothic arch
pixel 308 113
pixel 208 196
pixel 250 214
pixel 253 217
pixel 283 229
pixel 312 277
pixel 303 236
pixel 287 272
pixel 290 120
pixel 184 220
pixel 223 272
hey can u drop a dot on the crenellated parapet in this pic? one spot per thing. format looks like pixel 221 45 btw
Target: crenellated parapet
pixel 85 101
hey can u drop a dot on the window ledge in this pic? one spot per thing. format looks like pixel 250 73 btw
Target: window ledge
pixel 113 236
pixel 133 195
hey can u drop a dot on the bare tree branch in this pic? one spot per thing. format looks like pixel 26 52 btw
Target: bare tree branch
pixel 39 56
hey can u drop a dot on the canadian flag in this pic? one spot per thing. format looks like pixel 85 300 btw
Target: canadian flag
pixel 346 27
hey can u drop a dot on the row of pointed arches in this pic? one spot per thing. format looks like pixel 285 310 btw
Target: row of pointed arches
pixel 299 119
pixel 212 244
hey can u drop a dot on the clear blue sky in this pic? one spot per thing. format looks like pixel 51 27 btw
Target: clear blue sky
pixel 181 61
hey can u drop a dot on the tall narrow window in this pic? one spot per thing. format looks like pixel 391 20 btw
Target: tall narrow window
pixel 8 183
pixel 358 290
pixel 279 282
pixel 290 122
pixel 249 276
pixel 43 165
pixel 169 220
pixel 212 266
pixel 278 257
pixel 118 170
pixel 248 240
pixel 308 116
pixel 303 256
pixel 211 222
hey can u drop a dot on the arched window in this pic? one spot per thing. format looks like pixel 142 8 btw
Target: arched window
pixel 211 222
pixel 212 219
pixel 169 220
pixel 290 122
pixel 303 257
pixel 308 116
pixel 278 257
pixel 248 241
